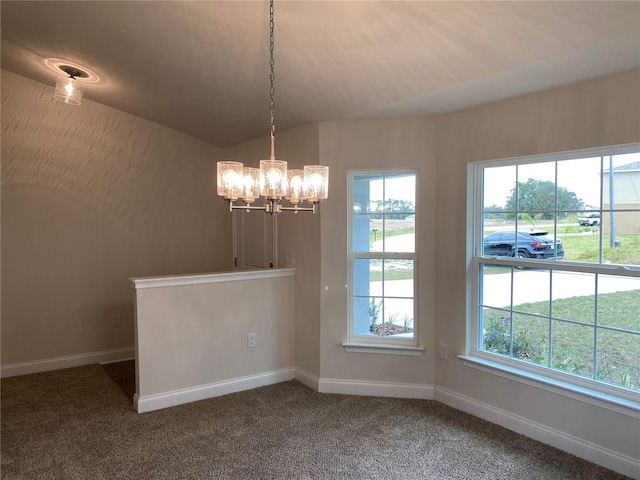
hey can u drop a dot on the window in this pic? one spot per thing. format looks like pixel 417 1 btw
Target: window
pixel 556 267
pixel 382 257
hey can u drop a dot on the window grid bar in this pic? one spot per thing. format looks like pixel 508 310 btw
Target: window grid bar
pixel 595 322
pixel 579 267
pixel 384 307
pixel 555 213
pixel 600 233
pixel 602 209
pixel 550 323
pixel 511 315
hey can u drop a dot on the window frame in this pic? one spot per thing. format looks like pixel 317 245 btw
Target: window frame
pixel 612 396
pixel 392 344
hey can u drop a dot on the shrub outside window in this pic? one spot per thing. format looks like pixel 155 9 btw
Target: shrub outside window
pixel 556 266
pixel 382 257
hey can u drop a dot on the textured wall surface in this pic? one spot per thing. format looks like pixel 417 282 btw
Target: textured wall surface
pixel 209 323
pixel 90 197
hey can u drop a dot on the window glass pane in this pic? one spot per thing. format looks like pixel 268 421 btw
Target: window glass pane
pixel 398 278
pixel 496 286
pixel 383 213
pixel 536 192
pixel 572 348
pixel 399 233
pixel 367 312
pixel 498 222
pixel 530 338
pixel 367 232
pixel 400 195
pixel 619 302
pixel 362 271
pixel 499 235
pixel 499 244
pixel 496 331
pixel 398 317
pixel 619 358
pixel 531 291
pixel 582 244
pixel 399 213
pixel 581 178
pixel 498 185
pixel 367 193
pixel 621 237
pixel 573 296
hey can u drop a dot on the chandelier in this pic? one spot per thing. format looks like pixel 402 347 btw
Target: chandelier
pixel 272 180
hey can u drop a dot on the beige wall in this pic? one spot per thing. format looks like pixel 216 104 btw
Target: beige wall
pixel 191 334
pixel 90 197
pixel 591 114
pixel 405 143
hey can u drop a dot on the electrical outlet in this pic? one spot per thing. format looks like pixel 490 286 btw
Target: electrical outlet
pixel 251 340
pixel 443 351
pixel 116 320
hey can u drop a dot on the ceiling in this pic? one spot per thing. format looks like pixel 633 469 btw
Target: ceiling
pixel 203 67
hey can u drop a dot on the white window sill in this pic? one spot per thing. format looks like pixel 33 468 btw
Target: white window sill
pixel 385 349
pixel 593 397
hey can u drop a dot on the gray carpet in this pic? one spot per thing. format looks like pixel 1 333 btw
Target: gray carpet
pixel 78 424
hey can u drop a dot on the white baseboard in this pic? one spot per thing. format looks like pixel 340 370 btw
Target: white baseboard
pixel 375 389
pixel 57 363
pixel 149 403
pixel 307 379
pixel 617 462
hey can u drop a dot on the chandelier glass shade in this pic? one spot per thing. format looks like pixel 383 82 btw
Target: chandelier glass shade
pixel 273 180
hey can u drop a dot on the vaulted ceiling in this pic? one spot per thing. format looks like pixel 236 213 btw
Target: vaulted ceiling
pixel 202 67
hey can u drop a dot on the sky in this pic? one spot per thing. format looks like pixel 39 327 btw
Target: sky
pixel 581 176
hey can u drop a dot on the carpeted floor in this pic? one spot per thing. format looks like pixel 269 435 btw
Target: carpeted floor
pixel 78 424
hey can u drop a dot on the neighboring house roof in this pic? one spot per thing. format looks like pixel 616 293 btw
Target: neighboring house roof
pixel 628 166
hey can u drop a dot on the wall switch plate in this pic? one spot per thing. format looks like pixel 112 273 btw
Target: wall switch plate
pixel 443 351
pixel 251 340
pixel 116 320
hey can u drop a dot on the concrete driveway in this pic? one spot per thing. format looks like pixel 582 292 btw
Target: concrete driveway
pixel 534 286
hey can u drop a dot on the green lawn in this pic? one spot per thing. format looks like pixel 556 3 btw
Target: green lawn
pixel 572 344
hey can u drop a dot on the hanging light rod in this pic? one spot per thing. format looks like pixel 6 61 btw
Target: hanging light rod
pixel 272 180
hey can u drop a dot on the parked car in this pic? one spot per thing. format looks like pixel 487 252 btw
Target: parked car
pixel 534 244
pixel 589 219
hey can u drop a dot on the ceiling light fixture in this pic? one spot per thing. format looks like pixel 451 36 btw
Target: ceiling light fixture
pixel 68 90
pixel 273 181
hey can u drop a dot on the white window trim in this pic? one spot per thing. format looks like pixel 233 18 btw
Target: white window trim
pixel 391 344
pixel 608 396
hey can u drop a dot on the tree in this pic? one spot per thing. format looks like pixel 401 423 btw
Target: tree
pixel 537 199
pixel 493 211
pixel 395 209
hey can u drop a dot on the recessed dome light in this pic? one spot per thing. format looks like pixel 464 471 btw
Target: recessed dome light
pixel 61 67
